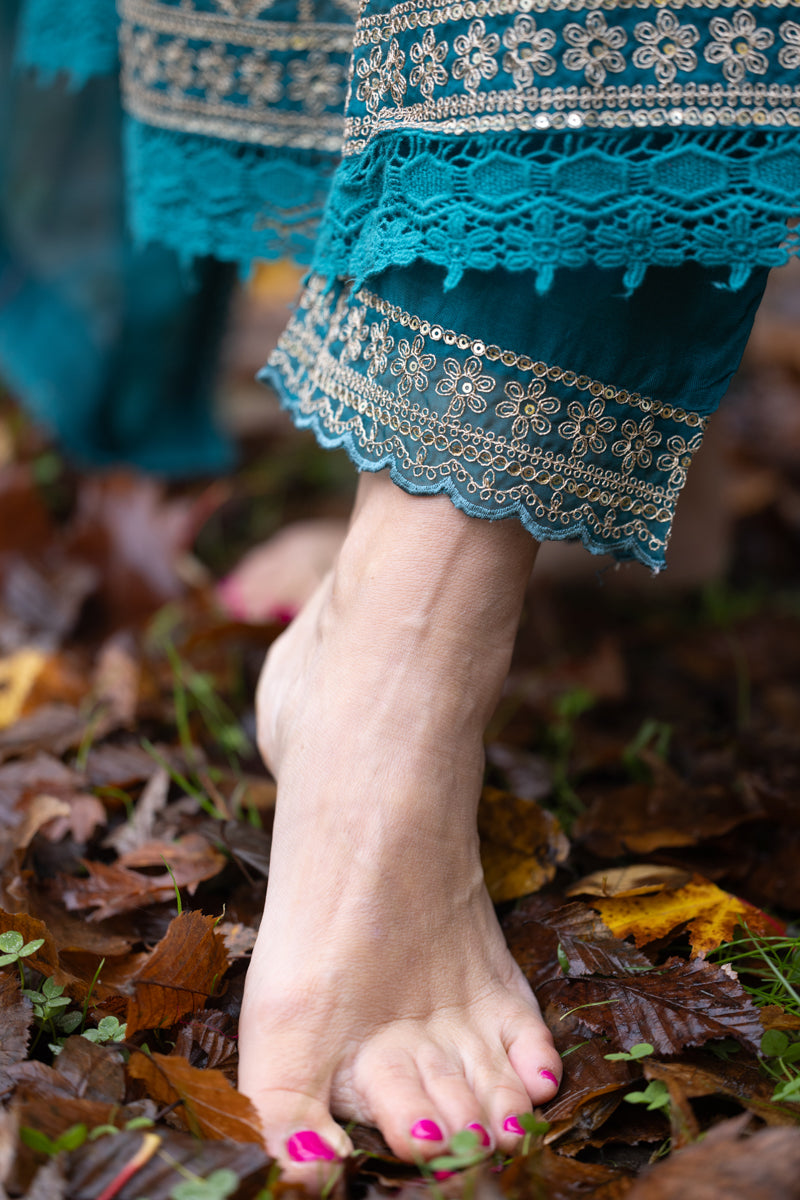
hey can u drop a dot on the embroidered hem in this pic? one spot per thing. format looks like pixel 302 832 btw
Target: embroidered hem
pixel 571 457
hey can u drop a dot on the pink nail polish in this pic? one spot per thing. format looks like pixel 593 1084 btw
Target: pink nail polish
pixel 483 1136
pixel 308 1146
pixel 512 1125
pixel 427 1131
pixel 440 1176
pixel 548 1075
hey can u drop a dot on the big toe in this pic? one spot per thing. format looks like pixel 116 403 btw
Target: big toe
pixel 301 1135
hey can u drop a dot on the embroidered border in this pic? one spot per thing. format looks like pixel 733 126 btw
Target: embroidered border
pixel 572 456
pixel 264 82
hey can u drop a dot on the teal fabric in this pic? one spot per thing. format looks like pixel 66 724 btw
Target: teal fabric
pixel 77 39
pixel 546 134
pixel 577 412
pixel 108 346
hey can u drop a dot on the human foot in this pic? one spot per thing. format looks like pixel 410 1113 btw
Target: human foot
pixel 277 578
pixel 381 988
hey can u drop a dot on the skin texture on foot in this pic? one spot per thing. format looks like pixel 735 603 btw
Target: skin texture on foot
pixel 381 989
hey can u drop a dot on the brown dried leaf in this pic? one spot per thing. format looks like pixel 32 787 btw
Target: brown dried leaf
pixel 45 959
pixel 211 1105
pixel 738 1077
pixel 112 889
pixel 116 679
pixel 728 1166
pixel 639 879
pixel 98 1163
pixel 216 1049
pixel 179 975
pixel 550 1175
pixel 709 914
pixel 590 1091
pixel 93 1072
pixel 678 1005
pixel 590 946
pixel 521 845
pixel 18 673
pixel 16 1016
pixel 84 814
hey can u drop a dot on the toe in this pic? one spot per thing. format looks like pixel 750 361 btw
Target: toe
pixel 398 1103
pixel 504 1100
pixel 533 1056
pixel 445 1080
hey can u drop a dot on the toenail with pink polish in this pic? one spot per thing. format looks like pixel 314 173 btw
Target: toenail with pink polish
pixel 308 1146
pixel 483 1136
pixel 549 1076
pixel 512 1125
pixel 427 1131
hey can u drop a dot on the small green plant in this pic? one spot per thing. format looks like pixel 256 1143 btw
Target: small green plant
pixel 534 1131
pixel 768 967
pixel 70 1139
pixel 651 739
pixel 15 948
pixel 108 1029
pixel 781 1057
pixel 655 1096
pixel 639 1050
pixel 561 738
pixel 465 1151
pixel 216 1186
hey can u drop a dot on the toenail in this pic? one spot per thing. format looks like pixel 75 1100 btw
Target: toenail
pixel 440 1176
pixel 549 1076
pixel 483 1136
pixel 512 1125
pixel 308 1146
pixel 427 1131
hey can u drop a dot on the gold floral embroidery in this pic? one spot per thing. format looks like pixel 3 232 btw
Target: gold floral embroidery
pixel 380 347
pixel 738 45
pixel 526 48
pixel 666 46
pixel 594 49
pixel 587 427
pixel 635 445
pixel 429 56
pixel 477 52
pixel 789 55
pixel 466 386
pixel 678 456
pixel 412 365
pixel 528 408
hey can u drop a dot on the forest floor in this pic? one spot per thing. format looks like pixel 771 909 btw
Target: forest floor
pixel 640 828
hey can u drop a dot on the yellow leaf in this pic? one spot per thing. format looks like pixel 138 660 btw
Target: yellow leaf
pixel 18 673
pixel 709 914
pixel 522 844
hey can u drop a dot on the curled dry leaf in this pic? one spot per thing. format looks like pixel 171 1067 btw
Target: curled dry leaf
pixel 211 1105
pixel 179 975
pixel 521 845
pixel 678 1005
pixel 590 1091
pixel 709 914
pixel 547 1174
pixel 638 879
pixel 739 1078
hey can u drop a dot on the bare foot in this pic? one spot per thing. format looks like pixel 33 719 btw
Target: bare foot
pixel 277 578
pixel 381 988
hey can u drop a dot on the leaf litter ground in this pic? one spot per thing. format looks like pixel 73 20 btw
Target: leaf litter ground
pixel 640 831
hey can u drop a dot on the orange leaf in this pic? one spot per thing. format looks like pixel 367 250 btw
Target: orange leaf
pixel 521 845
pixel 211 1104
pixel 710 915
pixel 179 975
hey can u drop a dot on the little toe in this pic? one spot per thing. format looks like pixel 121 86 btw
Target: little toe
pixel 535 1059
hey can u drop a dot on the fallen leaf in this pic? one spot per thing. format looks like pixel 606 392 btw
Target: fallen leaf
pixel 639 879
pixel 211 1104
pixel 738 1077
pixel 590 947
pixel 179 975
pixel 728 1166
pixel 116 679
pixel 219 1051
pixel 94 1072
pixel 547 1174
pixel 84 814
pixel 709 914
pixel 18 673
pixel 674 1006
pixel 95 1167
pixel 39 812
pixel 138 830
pixel 590 1091
pixel 16 1016
pixel 521 845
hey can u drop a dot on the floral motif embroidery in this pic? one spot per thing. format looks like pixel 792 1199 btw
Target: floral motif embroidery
pixel 665 46
pixel 380 347
pixel 412 365
pixel 263 79
pixel 316 81
pixel 737 44
pixel 527 407
pixel 789 55
pixel 525 51
pixel 465 384
pixel 429 56
pixel 678 457
pixel 353 334
pixel 634 445
pixel 595 49
pixel 477 51
pixel 586 428
pixel 379 75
